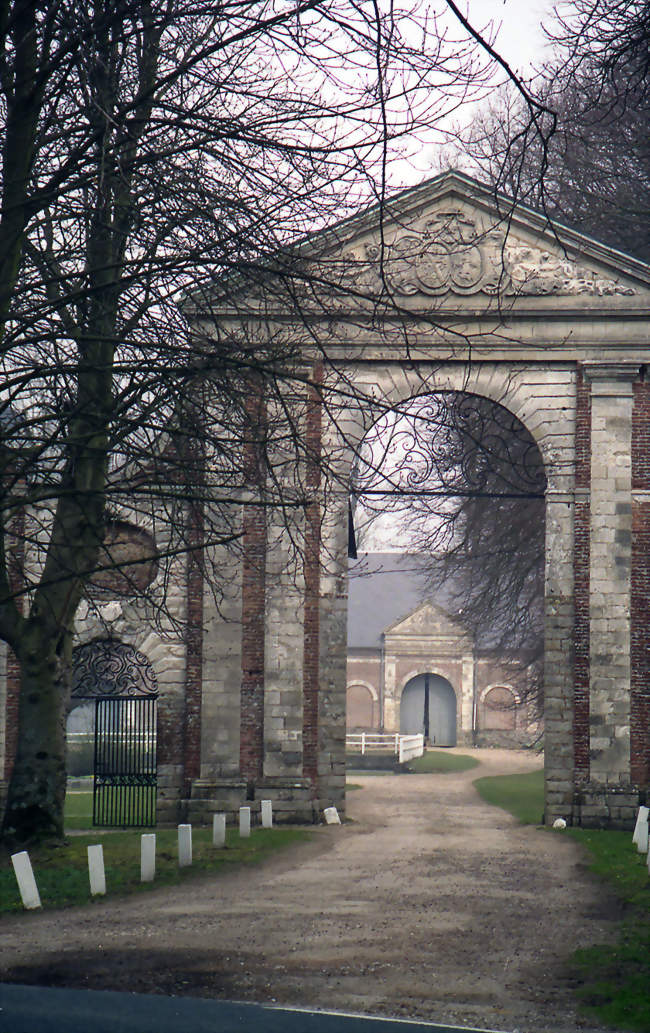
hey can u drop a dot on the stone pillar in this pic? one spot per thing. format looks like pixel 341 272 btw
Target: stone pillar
pixel 609 571
pixel 283 662
pixel 195 529
pixel 558 648
pixel 466 699
pixel 251 749
pixel 640 606
pixel 391 702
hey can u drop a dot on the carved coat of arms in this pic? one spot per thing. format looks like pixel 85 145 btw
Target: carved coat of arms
pixel 452 254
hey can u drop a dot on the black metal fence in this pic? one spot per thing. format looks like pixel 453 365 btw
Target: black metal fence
pixel 125 761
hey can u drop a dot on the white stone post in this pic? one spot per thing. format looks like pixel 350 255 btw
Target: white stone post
pixel 244 821
pixel 219 830
pixel 26 881
pixel 147 857
pixel 642 841
pixel 267 814
pixel 184 846
pixel 642 816
pixel 96 870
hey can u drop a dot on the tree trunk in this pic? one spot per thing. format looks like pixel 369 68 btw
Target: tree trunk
pixel 37 786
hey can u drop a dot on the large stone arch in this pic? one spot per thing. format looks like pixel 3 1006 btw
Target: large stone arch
pixel 543 397
pixel 552 326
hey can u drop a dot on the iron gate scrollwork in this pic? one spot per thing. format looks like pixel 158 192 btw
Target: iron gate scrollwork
pixel 123 686
pixel 125 781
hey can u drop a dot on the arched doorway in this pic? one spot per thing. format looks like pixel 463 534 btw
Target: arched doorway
pixel 114 692
pixel 438 711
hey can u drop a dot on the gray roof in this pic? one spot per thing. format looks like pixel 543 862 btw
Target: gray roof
pixel 384 587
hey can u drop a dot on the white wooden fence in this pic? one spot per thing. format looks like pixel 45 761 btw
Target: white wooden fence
pixel 406 747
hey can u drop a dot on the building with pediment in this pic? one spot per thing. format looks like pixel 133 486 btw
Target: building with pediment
pixel 447 288
pixel 401 644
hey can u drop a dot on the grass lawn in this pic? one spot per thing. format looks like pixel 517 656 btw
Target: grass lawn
pixel 613 980
pixel 62 871
pixel 521 795
pixel 78 812
pixel 441 761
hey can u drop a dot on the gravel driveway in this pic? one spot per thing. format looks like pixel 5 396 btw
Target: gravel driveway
pixel 428 904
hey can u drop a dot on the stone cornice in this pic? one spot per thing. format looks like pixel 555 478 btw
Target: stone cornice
pixel 612 372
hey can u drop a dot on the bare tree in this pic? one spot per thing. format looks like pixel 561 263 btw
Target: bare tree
pixel 463 481
pixel 593 171
pixel 159 160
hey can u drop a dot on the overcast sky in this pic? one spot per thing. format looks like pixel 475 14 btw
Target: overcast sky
pixel 520 39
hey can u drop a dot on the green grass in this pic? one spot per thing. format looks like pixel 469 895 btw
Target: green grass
pixel 78 811
pixel 521 795
pixel 62 871
pixel 612 980
pixel 440 762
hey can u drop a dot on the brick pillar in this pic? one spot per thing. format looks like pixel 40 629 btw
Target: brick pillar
pixel 311 568
pixel 581 528
pixel 251 728
pixel 610 571
pixel 640 588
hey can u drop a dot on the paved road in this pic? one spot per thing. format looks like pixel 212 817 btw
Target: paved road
pixel 29 1009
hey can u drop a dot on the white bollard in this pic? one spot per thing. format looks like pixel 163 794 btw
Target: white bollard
pixel 642 841
pixel 26 881
pixel 640 818
pixel 244 821
pixel 648 862
pixel 96 870
pixel 184 846
pixel 331 816
pixel 219 830
pixel 147 857
pixel 267 814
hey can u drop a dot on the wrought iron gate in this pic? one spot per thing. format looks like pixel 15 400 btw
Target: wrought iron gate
pixel 125 761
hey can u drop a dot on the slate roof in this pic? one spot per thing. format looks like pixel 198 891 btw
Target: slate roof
pixel 383 588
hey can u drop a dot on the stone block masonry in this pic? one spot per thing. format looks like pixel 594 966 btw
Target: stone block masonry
pixel 610 561
pixel 581 568
pixel 640 588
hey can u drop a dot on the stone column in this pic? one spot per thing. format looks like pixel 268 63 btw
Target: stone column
pixel 391 703
pixel 558 647
pixel 467 697
pixel 609 571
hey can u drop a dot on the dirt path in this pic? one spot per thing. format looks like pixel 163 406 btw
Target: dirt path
pixel 431 905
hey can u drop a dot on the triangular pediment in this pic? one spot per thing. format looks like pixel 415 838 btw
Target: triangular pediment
pixel 453 237
pixel 428 620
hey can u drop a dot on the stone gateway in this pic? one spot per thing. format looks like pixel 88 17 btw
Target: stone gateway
pixel 448 289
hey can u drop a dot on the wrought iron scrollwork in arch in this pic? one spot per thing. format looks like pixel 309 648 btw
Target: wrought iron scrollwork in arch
pixel 107 667
pixel 450 444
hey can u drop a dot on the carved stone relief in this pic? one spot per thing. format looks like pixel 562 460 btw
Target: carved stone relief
pixel 452 254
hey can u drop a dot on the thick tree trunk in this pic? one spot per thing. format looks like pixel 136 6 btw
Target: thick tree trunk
pixel 36 794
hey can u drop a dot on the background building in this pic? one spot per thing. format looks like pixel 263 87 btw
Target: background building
pixel 400 639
